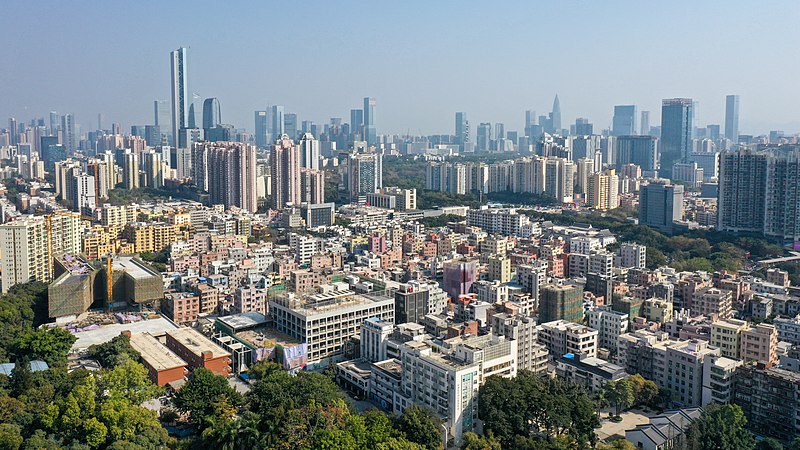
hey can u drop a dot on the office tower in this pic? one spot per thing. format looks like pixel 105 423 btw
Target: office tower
pixel 152 135
pixel 603 190
pixel 130 171
pixel 312 186
pixel 55 123
pixel 309 151
pixel 370 133
pixel 181 95
pixel 357 124
pixel 228 171
pixel 364 174
pixel 462 129
pixel 660 204
pixel 624 122
pixel 285 165
pixel 25 251
pixel 644 124
pixel 212 116
pixel 484 137
pixel 290 125
pixel 582 127
pixel 555 116
pixel 13 131
pixel 732 118
pixel 262 128
pixel 677 125
pixel 277 128
pixel 69 139
pixel 639 150
pixel 162 120
pixel 560 302
pixel 530 122
pixel 499 131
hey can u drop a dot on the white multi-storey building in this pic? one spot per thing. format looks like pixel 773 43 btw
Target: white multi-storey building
pixel 632 256
pixel 610 325
pixel 562 337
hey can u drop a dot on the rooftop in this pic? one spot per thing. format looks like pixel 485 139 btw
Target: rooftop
pixel 133 267
pixel 154 353
pixel 107 332
pixel 196 342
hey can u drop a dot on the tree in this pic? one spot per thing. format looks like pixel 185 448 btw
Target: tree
pixel 619 394
pixel 769 444
pixel 421 425
pixel 194 397
pixel 720 427
pixel 114 352
pixel 471 441
pixel 128 381
pixel 619 444
pixel 49 344
pixel 10 436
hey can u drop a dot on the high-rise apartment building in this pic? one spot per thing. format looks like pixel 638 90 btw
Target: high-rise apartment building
pixel 624 121
pixel 603 190
pixel 25 254
pixel 130 171
pixel 227 170
pixel 732 118
pixel 758 192
pixel 370 133
pixel 364 173
pixel 285 165
pixel 309 151
pixel 677 126
pixel 181 95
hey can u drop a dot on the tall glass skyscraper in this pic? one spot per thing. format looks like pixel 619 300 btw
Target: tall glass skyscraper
pixel 624 122
pixel 278 122
pixel 462 129
pixel 732 118
pixel 262 128
pixel 370 134
pixel 181 95
pixel 555 116
pixel 677 123
pixel 212 115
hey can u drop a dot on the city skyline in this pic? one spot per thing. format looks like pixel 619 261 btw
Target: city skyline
pixel 420 98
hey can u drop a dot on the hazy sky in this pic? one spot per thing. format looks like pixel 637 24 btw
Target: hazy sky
pixel 421 60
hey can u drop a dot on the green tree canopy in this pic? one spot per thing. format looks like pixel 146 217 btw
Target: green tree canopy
pixel 721 427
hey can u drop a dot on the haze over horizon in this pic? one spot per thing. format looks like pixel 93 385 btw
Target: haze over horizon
pixel 319 61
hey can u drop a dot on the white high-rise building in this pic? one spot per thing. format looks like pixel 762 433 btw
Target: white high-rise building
pixel 309 152
pixel 84 198
pixel 181 95
pixel 632 256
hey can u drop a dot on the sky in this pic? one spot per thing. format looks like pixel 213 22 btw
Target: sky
pixel 421 60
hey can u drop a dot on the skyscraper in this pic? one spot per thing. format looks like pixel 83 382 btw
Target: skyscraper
pixel 639 150
pixel 555 116
pixel 660 204
pixel 677 124
pixel 212 116
pixel 285 165
pixel 624 122
pixel 277 128
pixel 732 118
pixel 229 169
pixel 181 95
pixel 13 131
pixel 262 128
pixel 161 119
pixel 645 124
pixel 462 129
pixel 309 151
pixel 357 124
pixel 25 253
pixel 484 137
pixel 69 139
pixel 370 133
pixel 290 125
pixel 530 121
pixel 364 174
